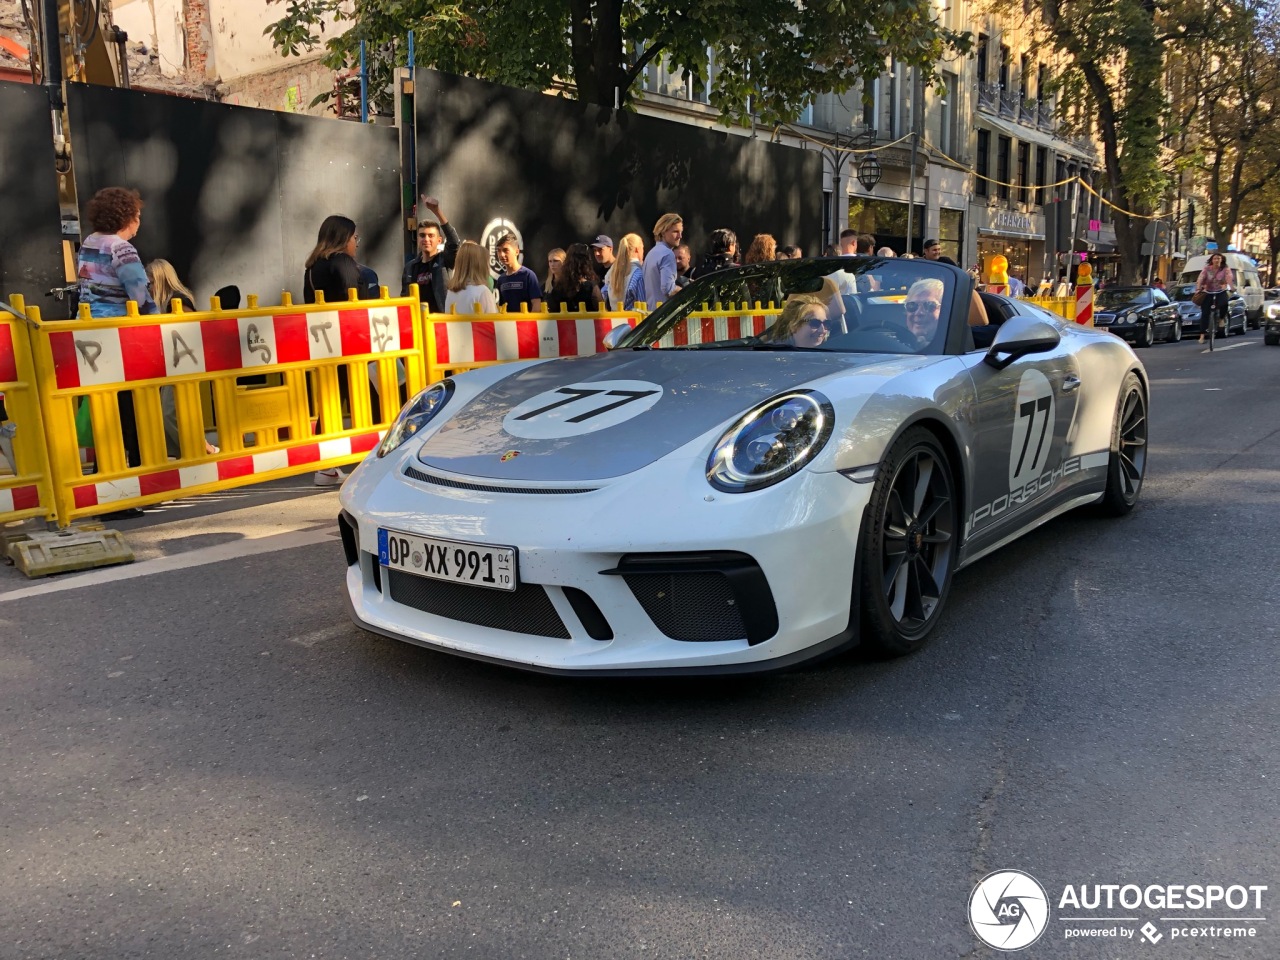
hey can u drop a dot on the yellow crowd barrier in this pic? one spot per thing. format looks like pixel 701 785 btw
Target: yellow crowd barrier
pixel 1064 307
pixel 26 487
pixel 184 403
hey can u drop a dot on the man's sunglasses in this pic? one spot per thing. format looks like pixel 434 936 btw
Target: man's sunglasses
pixel 914 306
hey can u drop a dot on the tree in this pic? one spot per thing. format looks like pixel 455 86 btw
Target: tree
pixel 1114 84
pixel 771 56
pixel 1229 115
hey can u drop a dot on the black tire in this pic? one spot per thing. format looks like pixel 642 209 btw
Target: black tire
pixel 1128 463
pixel 1271 339
pixel 1148 335
pixel 1175 332
pixel 909 547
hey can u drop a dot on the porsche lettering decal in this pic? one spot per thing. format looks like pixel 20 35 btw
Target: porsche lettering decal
pixel 1036 487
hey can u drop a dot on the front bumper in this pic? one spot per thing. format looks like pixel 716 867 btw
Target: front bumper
pixel 734 582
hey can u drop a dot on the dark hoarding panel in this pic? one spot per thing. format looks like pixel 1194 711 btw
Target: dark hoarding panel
pixel 563 171
pixel 30 231
pixel 352 169
pixel 235 195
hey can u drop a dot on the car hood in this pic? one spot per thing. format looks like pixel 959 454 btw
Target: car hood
pixel 682 394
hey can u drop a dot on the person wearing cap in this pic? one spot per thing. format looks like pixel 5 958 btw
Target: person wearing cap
pixel 602 248
pixel 933 251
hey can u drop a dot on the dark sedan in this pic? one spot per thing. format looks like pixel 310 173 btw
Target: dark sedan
pixel 1237 318
pixel 1138 315
pixel 1271 318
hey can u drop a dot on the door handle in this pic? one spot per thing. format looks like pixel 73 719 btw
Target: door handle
pixel 1070 384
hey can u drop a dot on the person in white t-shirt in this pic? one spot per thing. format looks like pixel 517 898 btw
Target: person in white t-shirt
pixel 469 286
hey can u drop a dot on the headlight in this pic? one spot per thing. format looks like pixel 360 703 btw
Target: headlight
pixel 1273 310
pixel 771 442
pixel 416 414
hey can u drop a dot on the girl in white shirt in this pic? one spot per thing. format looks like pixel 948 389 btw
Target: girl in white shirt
pixel 469 286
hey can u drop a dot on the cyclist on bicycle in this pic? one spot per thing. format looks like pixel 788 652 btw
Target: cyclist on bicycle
pixel 1216 281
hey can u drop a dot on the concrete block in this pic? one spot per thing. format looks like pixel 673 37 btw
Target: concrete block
pixel 75 548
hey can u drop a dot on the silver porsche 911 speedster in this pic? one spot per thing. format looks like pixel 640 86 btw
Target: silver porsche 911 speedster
pixel 731 493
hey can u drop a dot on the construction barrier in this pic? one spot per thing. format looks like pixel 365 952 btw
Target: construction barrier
pixel 268 382
pixel 715 322
pixel 1064 307
pixel 469 341
pixel 26 486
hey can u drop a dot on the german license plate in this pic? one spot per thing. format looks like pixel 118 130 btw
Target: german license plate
pixel 473 564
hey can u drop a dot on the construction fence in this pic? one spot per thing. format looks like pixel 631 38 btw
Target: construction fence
pixel 101 415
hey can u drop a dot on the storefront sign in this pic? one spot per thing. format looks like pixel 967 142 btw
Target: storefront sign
pixel 1012 223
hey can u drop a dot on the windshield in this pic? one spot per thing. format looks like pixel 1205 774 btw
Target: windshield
pixel 1183 292
pixel 1123 297
pixel 845 304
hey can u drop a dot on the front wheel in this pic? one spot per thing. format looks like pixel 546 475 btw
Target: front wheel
pixel 909 548
pixel 1148 335
pixel 1175 332
pixel 1127 464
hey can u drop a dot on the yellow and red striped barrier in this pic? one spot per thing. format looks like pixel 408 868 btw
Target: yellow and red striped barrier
pixel 26 487
pixel 292 424
pixel 468 341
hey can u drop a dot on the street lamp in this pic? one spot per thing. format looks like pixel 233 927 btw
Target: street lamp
pixel 869 172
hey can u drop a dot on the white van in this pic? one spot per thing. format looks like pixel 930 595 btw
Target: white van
pixel 1248 284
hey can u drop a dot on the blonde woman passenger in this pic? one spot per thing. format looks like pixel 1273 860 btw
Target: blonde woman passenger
pixel 802 323
pixel 469 286
pixel 624 283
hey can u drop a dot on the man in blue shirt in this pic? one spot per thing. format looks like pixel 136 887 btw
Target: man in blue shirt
pixel 660 262
pixel 519 286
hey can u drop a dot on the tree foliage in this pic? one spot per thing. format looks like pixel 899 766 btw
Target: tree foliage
pixel 771 56
pixel 1226 103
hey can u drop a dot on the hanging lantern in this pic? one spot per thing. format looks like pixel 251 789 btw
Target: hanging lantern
pixel 869 172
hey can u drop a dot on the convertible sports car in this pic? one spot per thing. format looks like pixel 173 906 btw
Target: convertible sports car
pixel 730 494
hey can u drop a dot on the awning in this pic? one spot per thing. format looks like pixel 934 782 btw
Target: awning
pixel 1031 135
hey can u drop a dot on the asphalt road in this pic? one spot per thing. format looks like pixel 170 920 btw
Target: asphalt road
pixel 205 759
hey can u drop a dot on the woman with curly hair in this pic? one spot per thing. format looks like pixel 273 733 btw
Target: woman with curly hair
pixel 762 250
pixel 577 283
pixel 110 271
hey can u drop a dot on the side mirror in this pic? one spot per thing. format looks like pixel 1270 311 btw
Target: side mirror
pixel 615 337
pixel 1019 336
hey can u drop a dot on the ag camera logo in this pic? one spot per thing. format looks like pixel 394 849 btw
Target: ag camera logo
pixel 1008 910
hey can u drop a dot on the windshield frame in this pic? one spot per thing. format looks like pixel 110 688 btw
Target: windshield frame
pixel 707 291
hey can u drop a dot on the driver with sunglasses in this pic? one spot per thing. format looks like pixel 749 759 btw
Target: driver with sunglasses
pixel 923 308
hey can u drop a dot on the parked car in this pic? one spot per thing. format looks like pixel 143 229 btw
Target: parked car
pixel 732 494
pixel 1237 315
pixel 1137 315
